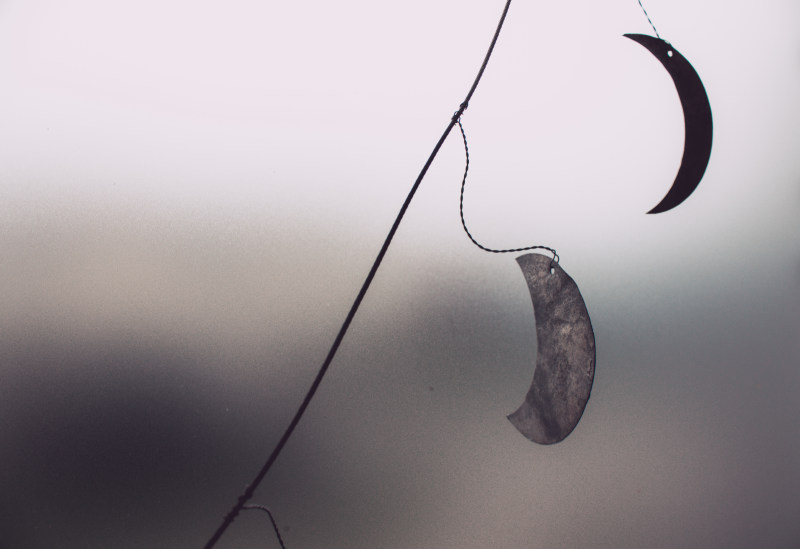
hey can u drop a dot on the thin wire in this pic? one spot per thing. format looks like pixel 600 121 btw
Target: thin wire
pixel 271 519
pixel 251 488
pixel 649 20
pixel 464 223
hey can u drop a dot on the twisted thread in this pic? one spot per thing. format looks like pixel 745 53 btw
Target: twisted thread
pixel 649 20
pixel 461 210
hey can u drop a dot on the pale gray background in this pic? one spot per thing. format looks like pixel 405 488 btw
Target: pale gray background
pixel 192 192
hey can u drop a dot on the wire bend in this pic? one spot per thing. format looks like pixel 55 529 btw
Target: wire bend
pixel 271 519
pixel 464 223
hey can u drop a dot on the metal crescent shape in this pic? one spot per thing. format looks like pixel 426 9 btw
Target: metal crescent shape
pixel 562 380
pixel 696 115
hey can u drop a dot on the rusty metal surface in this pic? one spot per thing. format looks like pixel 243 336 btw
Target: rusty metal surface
pixel 565 362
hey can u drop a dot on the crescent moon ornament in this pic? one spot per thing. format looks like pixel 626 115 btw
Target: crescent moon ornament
pixel 565 361
pixel 696 115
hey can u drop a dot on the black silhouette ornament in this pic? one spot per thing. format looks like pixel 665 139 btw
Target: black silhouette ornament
pixel 696 115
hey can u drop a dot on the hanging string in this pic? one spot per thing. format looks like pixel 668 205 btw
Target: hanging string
pixel 649 20
pixel 461 210
pixel 251 488
pixel 271 519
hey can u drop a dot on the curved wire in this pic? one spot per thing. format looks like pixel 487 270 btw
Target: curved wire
pixel 251 488
pixel 464 223
pixel 271 519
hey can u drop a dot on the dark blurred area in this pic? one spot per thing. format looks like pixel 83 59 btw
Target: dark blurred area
pixel 111 444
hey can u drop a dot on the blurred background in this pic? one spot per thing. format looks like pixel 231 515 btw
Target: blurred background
pixel 191 194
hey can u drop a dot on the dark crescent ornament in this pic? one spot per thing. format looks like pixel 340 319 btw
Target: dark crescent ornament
pixel 696 115
pixel 562 380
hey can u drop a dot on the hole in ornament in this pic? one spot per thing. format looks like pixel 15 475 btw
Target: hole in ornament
pixel 552 270
pixel 669 53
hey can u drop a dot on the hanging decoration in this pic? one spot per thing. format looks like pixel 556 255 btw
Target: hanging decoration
pixel 696 114
pixel 565 360
pixel 565 363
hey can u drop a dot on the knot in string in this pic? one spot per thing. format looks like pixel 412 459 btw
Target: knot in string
pixel 460 111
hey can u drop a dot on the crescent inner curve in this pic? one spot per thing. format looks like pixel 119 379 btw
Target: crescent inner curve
pixel 697 119
pixel 565 361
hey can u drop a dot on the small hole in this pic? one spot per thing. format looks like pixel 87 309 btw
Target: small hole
pixel 669 53
pixel 552 270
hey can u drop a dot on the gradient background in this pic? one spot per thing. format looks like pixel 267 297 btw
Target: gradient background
pixel 192 192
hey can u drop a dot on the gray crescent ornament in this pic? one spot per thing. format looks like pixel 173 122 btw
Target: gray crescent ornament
pixel 565 361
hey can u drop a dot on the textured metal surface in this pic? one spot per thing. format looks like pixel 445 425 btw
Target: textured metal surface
pixel 565 357
pixel 696 116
